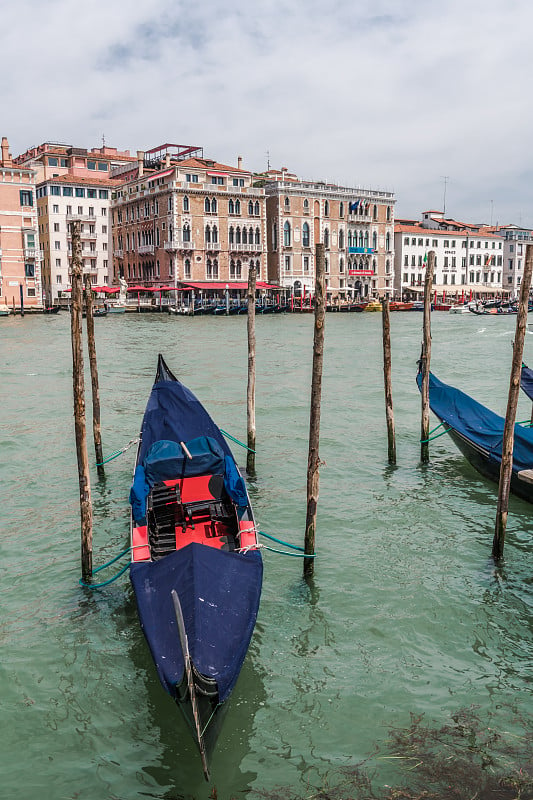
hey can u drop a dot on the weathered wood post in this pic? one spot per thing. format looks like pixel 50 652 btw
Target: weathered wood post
pixel 387 373
pixel 91 347
pixel 313 461
pixel 512 403
pixel 79 407
pixel 425 358
pixel 21 292
pixel 250 397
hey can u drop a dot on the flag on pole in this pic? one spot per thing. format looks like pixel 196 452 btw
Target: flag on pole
pixel 425 260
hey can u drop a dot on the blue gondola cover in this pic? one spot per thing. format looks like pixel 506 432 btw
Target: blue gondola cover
pixel 526 381
pixel 477 423
pixel 219 618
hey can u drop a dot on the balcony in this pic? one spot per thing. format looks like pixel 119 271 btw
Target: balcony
pixel 212 247
pixel 118 253
pixel 30 252
pixel 245 248
pixel 80 218
pixel 170 246
pixel 358 218
pixel 146 249
pixel 181 245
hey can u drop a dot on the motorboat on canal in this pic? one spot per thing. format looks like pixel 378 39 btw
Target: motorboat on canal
pixel 196 568
pixel 478 433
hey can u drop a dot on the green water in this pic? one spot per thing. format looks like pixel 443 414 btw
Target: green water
pixel 406 614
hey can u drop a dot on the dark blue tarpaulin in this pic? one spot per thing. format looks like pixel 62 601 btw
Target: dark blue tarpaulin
pixel 174 413
pixel 526 381
pixel 477 423
pixel 219 593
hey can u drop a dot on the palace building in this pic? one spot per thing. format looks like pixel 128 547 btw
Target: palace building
pixel 182 218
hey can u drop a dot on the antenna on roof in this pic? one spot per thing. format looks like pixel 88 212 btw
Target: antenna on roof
pixel 268 160
pixel 103 140
pixel 445 179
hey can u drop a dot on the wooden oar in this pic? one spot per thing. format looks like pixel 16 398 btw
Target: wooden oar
pixel 190 681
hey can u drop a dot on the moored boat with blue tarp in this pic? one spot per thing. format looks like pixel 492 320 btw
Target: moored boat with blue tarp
pixel 196 569
pixel 478 433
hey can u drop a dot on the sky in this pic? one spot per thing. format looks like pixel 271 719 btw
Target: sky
pixel 430 100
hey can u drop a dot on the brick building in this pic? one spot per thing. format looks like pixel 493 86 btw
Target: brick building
pixel 355 225
pixel 180 217
pixel 20 262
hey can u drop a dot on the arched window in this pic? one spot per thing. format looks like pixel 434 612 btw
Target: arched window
pixel 374 241
pixel 207 205
pixel 186 233
pixel 306 240
pixel 349 239
pixel 215 234
pixel 185 203
pixel 207 233
pixel 250 234
pixel 214 205
pixel 341 209
pixel 215 268
pixel 187 268
pixel 375 212
pixel 287 204
pixel 366 239
pixel 250 208
pixel 231 207
pixel 341 239
pixel 231 235
pixel 257 236
pixel 256 208
pixel 361 239
pixel 209 268
pixel 244 236
pixel 387 243
pixel 306 204
pixel 237 206
pixel 287 233
pixel 238 236
pixel 341 265
pixel 388 213
pixel 326 236
pixel 374 265
pixel 326 264
pixel 326 208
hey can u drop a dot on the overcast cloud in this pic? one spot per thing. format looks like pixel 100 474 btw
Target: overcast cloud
pixel 383 94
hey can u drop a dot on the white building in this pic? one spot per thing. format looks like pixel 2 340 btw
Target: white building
pixel 515 240
pixel 468 258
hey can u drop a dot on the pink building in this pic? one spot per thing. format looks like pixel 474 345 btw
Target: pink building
pixel 20 262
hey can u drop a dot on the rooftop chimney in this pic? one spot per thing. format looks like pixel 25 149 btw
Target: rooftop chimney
pixel 6 161
pixel 167 159
pixel 140 163
pixel 239 162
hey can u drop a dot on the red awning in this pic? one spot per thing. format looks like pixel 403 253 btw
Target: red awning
pixel 218 285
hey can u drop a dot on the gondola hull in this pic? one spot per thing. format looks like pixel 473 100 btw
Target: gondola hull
pixel 196 568
pixel 478 434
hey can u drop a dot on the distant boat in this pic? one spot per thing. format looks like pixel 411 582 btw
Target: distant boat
pixel 374 305
pixel 116 308
pixel 478 433
pixel 196 568
pixel 4 311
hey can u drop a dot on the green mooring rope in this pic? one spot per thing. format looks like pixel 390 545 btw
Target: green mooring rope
pixel 280 541
pixel 117 453
pixel 108 564
pixel 233 439
pixel 430 439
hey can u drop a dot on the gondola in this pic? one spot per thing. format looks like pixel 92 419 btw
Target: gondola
pixel 526 381
pixel 478 433
pixel 196 569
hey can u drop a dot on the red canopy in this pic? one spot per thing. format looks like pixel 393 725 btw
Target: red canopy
pixel 137 289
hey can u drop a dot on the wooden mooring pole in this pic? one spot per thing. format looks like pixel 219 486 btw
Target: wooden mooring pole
pixel 425 358
pixel 250 397
pixel 506 465
pixel 387 373
pixel 91 347
pixel 79 406
pixel 313 461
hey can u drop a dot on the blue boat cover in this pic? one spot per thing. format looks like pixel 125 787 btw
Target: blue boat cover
pixel 138 493
pixel 477 423
pixel 166 459
pixel 175 414
pixel 526 381
pixel 219 614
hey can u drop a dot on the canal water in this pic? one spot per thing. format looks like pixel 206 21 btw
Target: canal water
pixel 406 619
